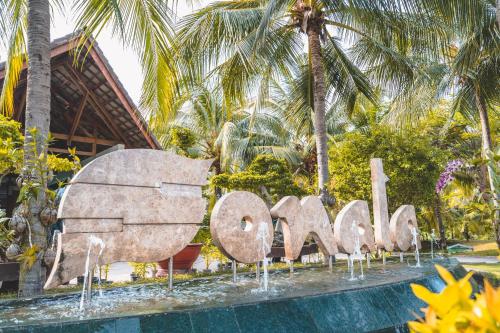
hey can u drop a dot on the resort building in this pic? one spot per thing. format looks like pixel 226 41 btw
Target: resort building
pixel 90 109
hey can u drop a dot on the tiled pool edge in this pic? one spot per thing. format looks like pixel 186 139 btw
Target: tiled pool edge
pixel 384 308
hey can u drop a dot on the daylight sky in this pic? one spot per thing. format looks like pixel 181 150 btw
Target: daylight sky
pixel 123 61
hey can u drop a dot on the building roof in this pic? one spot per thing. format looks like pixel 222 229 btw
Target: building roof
pixel 90 108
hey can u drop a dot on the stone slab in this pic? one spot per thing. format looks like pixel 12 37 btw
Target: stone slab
pixel 144 167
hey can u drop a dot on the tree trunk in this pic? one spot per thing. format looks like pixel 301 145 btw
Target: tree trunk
pixel 498 13
pixel 319 120
pixel 486 145
pixel 37 116
pixel 439 218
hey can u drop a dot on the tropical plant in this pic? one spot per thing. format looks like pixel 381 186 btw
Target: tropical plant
pixel 455 310
pixel 266 176
pixel 140 269
pixel 245 45
pixel 145 26
pixel 410 162
pixel 231 134
pixel 467 73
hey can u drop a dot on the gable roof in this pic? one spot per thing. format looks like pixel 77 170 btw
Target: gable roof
pixel 89 105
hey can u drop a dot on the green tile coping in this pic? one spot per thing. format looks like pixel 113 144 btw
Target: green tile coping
pixel 384 308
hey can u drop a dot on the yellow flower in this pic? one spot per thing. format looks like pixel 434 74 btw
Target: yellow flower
pixel 453 309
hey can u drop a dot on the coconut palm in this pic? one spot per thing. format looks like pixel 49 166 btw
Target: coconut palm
pixel 467 74
pixel 247 44
pixel 25 30
pixel 231 134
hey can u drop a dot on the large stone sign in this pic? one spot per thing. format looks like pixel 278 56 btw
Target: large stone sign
pixel 145 205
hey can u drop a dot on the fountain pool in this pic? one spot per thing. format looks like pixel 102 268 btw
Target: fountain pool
pixel 311 300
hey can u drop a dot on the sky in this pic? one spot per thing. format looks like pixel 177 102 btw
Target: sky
pixel 123 61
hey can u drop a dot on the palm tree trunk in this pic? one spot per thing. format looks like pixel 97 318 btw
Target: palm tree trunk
pixel 319 120
pixel 439 218
pixel 37 116
pixel 486 143
pixel 498 13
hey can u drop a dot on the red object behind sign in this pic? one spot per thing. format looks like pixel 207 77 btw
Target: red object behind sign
pixel 183 261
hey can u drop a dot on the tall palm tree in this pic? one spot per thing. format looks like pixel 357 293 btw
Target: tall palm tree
pixel 25 25
pixel 468 73
pixel 246 44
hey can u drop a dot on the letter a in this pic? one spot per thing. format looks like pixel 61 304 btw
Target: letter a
pixel 299 218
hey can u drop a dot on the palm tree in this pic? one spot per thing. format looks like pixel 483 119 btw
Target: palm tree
pixel 247 44
pixel 468 73
pixel 25 25
pixel 230 134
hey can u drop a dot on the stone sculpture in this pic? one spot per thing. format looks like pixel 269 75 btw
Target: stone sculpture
pixel 380 206
pixel 356 214
pixel 236 227
pixel 402 222
pixel 299 218
pixel 145 205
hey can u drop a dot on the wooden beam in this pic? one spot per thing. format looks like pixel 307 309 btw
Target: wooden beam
pixel 121 96
pixel 78 116
pixel 54 52
pixel 94 101
pixel 84 139
pixel 65 151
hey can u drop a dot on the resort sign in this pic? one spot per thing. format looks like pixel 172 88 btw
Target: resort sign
pixel 147 205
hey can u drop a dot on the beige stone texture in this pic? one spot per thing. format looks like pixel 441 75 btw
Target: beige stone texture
pixel 380 206
pixel 246 246
pixel 299 218
pixel 402 222
pixel 132 204
pixel 144 167
pixel 145 205
pixel 357 213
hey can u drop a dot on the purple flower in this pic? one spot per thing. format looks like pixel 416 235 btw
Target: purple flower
pixel 446 176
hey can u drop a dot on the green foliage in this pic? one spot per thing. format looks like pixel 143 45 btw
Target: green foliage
pixel 209 250
pixel 28 258
pixel 12 154
pixel 181 138
pixel 140 268
pixel 11 140
pixel 267 176
pixel 410 161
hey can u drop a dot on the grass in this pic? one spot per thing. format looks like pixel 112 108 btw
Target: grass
pixel 493 269
pixel 489 271
pixel 481 249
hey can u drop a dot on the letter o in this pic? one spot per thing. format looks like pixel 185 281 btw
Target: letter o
pixel 247 245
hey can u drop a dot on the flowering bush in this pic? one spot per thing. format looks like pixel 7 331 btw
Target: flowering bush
pixel 453 309
pixel 446 176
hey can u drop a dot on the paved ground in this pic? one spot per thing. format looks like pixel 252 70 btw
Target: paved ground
pixel 476 260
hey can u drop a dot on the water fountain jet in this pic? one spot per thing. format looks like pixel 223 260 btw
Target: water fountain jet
pixel 86 295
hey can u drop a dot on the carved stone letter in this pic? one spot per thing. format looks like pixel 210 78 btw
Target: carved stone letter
pixel 299 218
pixel 380 207
pixel 145 205
pixel 352 222
pixel 241 227
pixel 402 222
